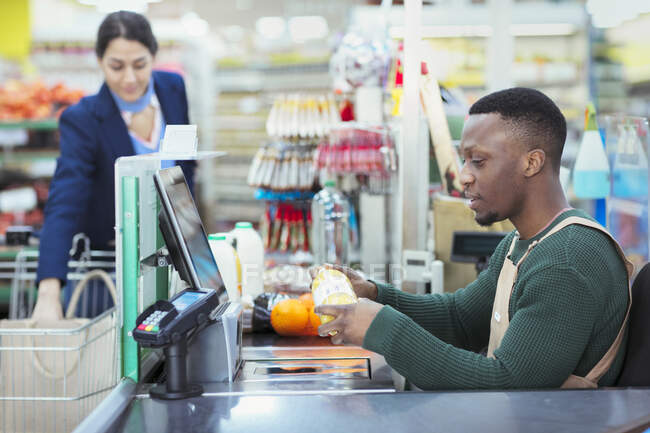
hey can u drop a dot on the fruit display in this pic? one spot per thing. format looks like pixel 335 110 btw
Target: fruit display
pixel 21 100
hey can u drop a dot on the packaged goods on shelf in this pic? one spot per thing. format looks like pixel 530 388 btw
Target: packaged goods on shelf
pixel 285 228
pixel 20 100
pixel 283 166
pixel 354 148
pixel 302 116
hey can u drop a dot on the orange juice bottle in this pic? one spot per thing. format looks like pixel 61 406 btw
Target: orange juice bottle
pixel 332 287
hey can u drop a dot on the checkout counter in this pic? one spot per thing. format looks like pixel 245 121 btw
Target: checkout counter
pixel 222 380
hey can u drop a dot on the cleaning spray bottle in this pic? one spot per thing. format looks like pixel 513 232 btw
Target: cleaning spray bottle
pixel 591 171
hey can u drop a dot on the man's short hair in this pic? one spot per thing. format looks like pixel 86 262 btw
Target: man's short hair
pixel 534 118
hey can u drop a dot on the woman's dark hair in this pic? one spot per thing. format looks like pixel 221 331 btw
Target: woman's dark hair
pixel 127 25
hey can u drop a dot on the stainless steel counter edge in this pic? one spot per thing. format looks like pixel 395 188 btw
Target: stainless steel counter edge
pixel 109 410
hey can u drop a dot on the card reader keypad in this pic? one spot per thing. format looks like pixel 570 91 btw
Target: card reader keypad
pixel 150 324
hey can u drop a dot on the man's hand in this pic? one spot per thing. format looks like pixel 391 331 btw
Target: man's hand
pixel 351 321
pixel 362 287
pixel 48 304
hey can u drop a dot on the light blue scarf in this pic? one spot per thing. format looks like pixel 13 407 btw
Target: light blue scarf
pixel 135 107
pixel 139 104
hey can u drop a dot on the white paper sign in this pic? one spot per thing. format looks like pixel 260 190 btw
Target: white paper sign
pixel 179 140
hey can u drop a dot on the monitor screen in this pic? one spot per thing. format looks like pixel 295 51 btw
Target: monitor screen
pixel 471 246
pixel 184 235
pixel 187 299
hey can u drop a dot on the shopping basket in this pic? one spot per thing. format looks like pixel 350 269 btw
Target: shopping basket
pixel 53 374
pixel 22 273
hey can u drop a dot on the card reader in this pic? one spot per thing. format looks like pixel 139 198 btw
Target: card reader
pixel 167 325
pixel 165 322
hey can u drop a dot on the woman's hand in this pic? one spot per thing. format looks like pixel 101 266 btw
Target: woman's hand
pixel 48 304
pixel 362 287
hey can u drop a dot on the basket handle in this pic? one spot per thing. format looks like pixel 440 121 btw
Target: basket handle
pixel 81 286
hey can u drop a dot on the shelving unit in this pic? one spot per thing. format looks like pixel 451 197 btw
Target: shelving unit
pixel 243 99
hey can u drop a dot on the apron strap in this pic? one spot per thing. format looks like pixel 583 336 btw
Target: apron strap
pixel 605 362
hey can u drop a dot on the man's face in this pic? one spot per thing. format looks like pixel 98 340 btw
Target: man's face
pixel 127 68
pixel 492 174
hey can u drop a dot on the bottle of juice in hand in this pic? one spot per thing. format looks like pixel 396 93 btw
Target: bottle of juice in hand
pixel 332 287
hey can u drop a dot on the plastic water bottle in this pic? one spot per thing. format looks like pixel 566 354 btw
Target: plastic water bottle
pixel 330 231
pixel 227 262
pixel 250 249
pixel 591 170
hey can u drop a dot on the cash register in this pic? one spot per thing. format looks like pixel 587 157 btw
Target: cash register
pixel 198 329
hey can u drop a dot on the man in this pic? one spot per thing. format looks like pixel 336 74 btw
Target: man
pixel 554 299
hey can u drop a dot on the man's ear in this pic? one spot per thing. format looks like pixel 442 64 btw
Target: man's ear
pixel 535 160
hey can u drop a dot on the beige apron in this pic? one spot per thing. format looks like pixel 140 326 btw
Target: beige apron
pixel 500 320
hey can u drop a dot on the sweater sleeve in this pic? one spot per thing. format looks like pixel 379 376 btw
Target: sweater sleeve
pixel 547 335
pixel 461 318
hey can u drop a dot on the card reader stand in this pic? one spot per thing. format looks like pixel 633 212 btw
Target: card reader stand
pixel 168 325
pixel 176 386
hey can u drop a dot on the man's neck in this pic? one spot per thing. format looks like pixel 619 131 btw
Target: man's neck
pixel 539 211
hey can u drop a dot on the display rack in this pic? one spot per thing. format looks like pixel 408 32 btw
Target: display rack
pixel 243 100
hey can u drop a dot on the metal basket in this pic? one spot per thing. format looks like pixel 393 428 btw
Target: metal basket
pixel 51 379
pixel 53 376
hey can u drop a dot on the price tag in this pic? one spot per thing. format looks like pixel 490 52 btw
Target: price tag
pixel 179 140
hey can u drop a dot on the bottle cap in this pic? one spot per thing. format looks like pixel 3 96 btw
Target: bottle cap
pixel 590 118
pixel 243 225
pixel 329 182
pixel 217 237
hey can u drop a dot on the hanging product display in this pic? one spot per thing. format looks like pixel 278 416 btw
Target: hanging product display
pixel 354 148
pixel 591 170
pixel 359 61
pixel 285 227
pixel 299 116
pixel 282 167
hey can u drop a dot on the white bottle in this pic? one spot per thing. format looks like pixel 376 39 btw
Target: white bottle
pixel 227 262
pixel 251 254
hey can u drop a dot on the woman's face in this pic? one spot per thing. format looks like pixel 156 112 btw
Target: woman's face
pixel 127 68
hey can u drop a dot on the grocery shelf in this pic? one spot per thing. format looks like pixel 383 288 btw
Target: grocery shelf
pixel 41 124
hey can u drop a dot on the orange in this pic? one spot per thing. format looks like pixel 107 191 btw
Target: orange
pixel 307 299
pixel 289 317
pixel 313 323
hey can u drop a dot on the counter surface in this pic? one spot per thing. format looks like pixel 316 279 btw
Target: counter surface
pixel 526 411
pixel 353 403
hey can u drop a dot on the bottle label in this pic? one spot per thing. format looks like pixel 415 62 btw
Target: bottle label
pixel 332 287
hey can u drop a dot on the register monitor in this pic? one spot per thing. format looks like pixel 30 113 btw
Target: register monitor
pixel 184 235
pixel 475 247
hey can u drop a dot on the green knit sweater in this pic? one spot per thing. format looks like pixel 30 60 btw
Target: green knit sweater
pixel 567 306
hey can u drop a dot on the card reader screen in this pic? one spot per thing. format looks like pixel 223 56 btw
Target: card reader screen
pixel 186 299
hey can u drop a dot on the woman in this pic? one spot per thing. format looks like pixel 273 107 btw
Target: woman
pixel 126 117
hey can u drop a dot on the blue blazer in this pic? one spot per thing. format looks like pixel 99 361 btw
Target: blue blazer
pixel 82 192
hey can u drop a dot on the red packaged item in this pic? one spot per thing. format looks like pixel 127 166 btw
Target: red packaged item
pixel 307 229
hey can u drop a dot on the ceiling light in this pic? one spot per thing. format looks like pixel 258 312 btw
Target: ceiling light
pixel 308 27
pixel 271 27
